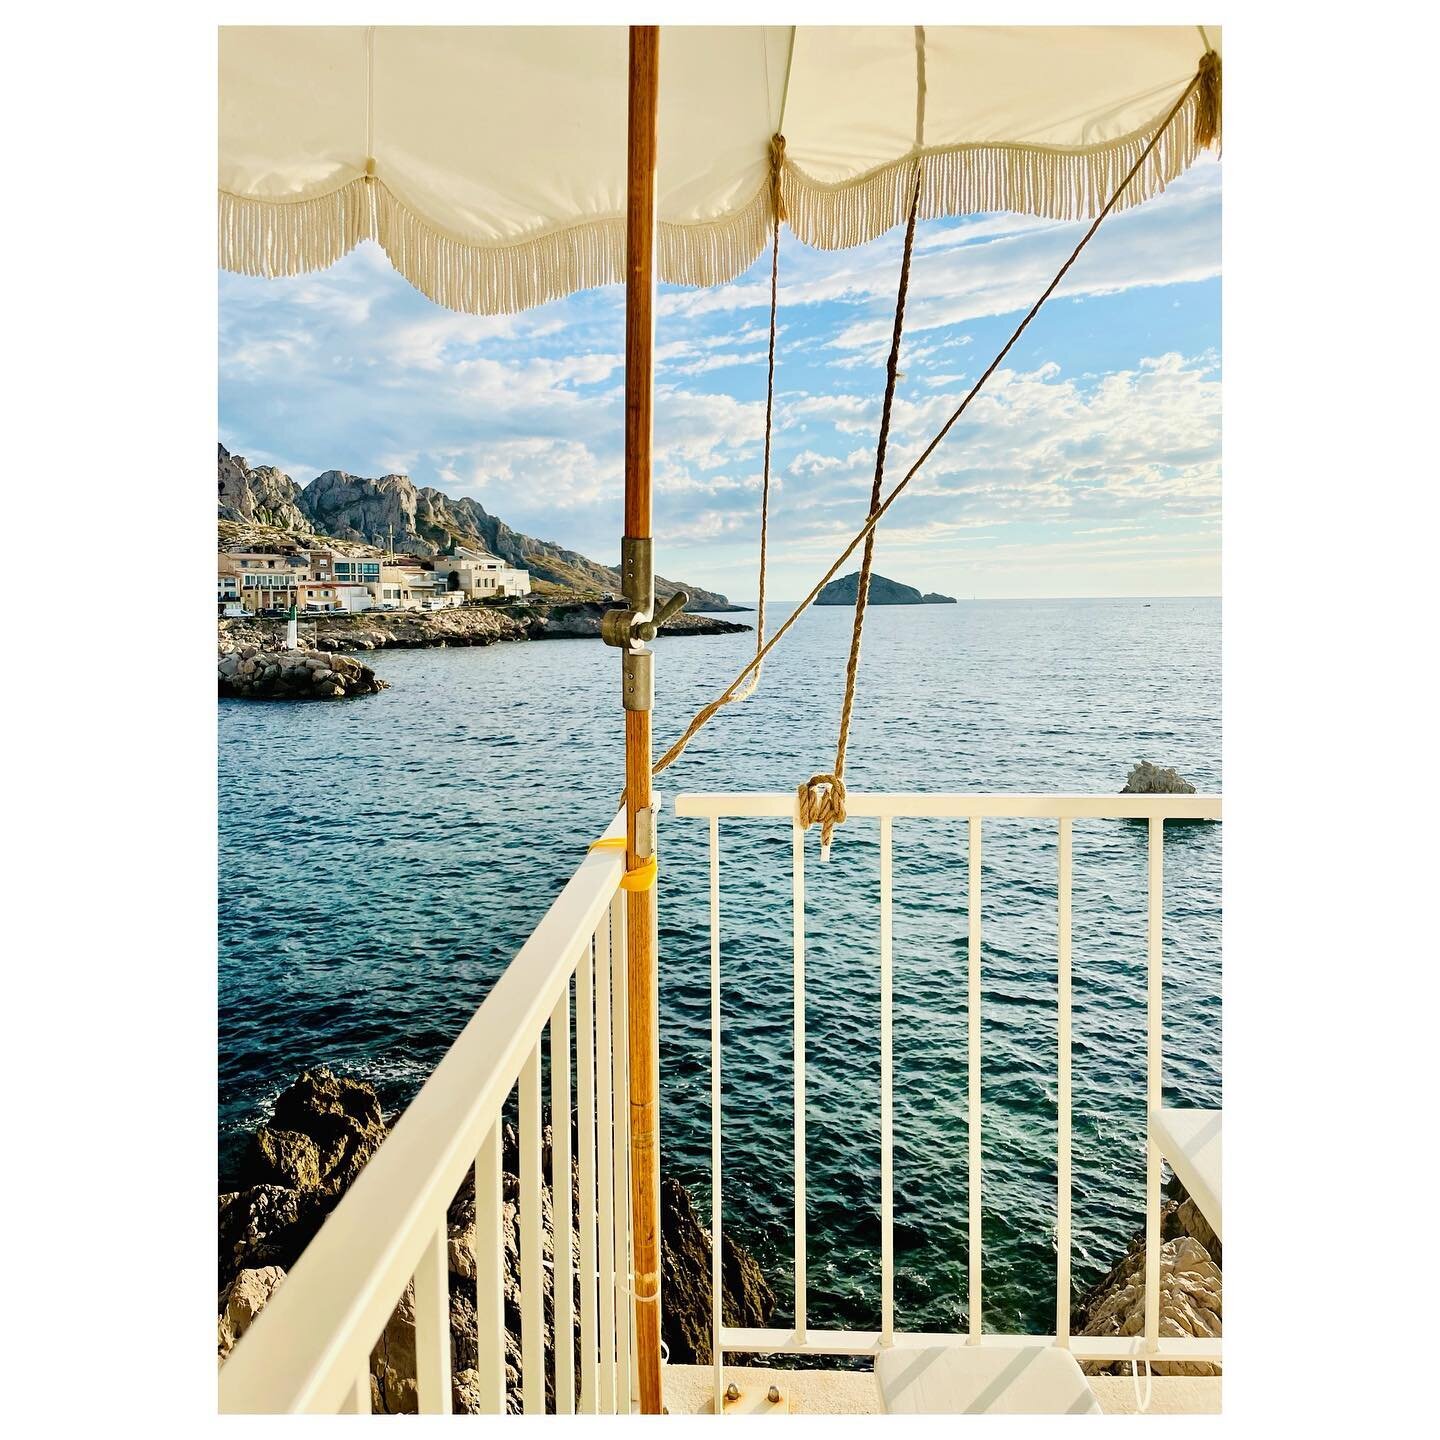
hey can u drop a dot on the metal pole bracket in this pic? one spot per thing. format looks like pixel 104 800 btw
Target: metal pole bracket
pixel 632 627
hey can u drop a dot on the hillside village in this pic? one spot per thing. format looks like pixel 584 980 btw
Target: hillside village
pixel 347 543
pixel 321 579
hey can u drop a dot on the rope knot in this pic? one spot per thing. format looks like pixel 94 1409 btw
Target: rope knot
pixel 777 167
pixel 1208 104
pixel 821 801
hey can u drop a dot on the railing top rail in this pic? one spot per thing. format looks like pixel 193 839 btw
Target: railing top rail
pixel 307 1345
pixel 781 804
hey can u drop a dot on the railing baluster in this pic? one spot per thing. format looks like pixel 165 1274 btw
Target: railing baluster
pixel 1153 1092
pixel 973 1011
pixel 717 1355
pixel 887 1097
pixel 585 1084
pixel 798 888
pixel 357 1397
pixel 490 1274
pixel 560 1192
pixel 532 1241
pixel 1062 1138
pixel 432 1325
pixel 605 1154
pixel 620 1055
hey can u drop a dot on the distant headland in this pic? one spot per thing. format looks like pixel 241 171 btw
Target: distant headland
pixel 882 592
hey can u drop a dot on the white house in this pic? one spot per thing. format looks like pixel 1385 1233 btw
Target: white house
pixel 478 575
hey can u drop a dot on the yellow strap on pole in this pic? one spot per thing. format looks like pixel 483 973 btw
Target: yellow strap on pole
pixel 642 877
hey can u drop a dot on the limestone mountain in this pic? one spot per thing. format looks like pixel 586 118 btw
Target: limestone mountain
pixel 882 592
pixel 260 496
pixel 416 520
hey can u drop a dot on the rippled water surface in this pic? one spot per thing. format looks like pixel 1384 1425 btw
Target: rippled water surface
pixel 382 859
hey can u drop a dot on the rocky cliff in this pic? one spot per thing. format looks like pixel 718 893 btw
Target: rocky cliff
pixel 260 496
pixel 882 592
pixel 323 1130
pixel 418 520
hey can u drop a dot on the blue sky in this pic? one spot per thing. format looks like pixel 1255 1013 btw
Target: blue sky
pixel 1090 465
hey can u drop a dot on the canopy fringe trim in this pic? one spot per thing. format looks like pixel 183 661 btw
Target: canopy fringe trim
pixel 290 237
pixel 498 279
pixel 271 238
pixel 713 252
pixel 969 179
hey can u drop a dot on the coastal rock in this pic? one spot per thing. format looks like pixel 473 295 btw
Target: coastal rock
pixel 285 1157
pixel 522 618
pixel 746 1299
pixel 264 1229
pixel 393 1389
pixel 292 675
pixel 266 1225
pixel 882 592
pixel 1190 1288
pixel 243 1302
pixel 341 1116
pixel 1147 779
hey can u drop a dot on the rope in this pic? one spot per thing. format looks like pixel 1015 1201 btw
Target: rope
pixel 753 670
pixel 777 210
pixel 828 810
pixel 706 713
pixel 1141 1405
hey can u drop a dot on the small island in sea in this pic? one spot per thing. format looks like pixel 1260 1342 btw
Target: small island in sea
pixel 882 592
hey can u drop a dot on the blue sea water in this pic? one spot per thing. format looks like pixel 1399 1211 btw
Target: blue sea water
pixel 382 859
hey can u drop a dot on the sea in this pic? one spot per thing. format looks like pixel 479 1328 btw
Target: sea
pixel 382 859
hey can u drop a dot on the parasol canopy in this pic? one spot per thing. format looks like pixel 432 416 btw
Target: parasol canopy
pixel 489 162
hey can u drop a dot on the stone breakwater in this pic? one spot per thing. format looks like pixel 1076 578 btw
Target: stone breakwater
pixel 324 1129
pixel 528 619
pixel 250 673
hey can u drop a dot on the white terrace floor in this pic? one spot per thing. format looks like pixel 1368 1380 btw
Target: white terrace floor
pixel 689 1391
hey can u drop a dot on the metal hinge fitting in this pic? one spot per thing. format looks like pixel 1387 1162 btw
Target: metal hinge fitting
pixel 631 628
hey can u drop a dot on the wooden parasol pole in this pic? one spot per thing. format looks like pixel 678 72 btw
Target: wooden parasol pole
pixel 639 824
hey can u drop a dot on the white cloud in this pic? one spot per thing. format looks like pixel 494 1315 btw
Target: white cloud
pixel 352 369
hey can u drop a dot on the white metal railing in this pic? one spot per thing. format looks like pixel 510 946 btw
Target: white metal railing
pixel 309 1349
pixel 975 809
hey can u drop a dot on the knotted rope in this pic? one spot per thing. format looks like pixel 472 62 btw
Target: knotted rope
pixel 1207 101
pixel 1208 75
pixel 821 801
pixel 822 797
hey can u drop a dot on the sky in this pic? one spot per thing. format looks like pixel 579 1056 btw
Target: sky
pixel 1089 465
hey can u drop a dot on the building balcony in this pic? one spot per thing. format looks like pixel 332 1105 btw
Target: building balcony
pixel 553 1033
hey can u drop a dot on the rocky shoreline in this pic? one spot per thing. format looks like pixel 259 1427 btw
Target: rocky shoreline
pixel 254 665
pixel 322 1131
pixel 530 618
pixel 1190 1287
